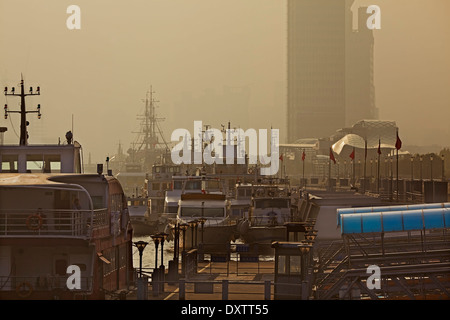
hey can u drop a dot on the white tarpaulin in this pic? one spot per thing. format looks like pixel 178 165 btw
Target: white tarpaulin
pixel 374 131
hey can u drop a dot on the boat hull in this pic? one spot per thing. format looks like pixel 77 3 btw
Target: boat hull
pixel 142 228
pixel 213 238
pixel 264 235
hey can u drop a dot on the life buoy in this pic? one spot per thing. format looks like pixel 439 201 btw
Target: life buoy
pixel 250 171
pixel 26 291
pixel 34 222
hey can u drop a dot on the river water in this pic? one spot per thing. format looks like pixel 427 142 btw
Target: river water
pixel 148 256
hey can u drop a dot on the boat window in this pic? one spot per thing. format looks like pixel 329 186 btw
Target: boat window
pixel 271 203
pixel 97 202
pixel 237 213
pixel 10 163
pixel 43 163
pixel 193 185
pixel 207 212
pixel 177 185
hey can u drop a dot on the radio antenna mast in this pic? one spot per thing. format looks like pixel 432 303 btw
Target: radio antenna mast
pixel 23 111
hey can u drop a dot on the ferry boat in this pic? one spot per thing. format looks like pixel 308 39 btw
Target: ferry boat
pixel 212 226
pixel 138 210
pixel 241 201
pixel 63 234
pixel 271 208
pixel 67 220
pixel 163 195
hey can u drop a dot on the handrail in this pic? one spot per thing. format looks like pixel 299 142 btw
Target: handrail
pixel 51 222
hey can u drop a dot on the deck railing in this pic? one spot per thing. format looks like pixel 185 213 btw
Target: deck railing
pixel 50 222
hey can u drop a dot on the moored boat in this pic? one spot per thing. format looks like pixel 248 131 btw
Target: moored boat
pixel 67 220
pixel 63 234
pixel 208 216
pixel 138 210
pixel 270 210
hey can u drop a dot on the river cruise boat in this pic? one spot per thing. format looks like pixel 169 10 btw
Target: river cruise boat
pixel 63 234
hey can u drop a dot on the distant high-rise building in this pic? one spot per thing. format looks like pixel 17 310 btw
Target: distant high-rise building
pixel 359 85
pixel 330 69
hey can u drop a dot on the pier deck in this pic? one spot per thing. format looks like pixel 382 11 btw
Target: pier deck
pixel 230 280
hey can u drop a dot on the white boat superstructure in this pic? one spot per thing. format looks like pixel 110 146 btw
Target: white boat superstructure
pixel 270 210
pixel 213 209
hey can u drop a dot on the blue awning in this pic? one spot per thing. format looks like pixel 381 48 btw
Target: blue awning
pixel 391 221
pixel 424 206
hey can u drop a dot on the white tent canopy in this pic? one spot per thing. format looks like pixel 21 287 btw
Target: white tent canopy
pixel 374 131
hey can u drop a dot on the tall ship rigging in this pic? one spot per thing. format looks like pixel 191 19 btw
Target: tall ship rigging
pixel 135 170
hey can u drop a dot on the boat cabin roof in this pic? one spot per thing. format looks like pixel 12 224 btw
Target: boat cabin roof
pixel 41 158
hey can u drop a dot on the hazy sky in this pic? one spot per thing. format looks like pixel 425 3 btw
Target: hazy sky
pixel 193 53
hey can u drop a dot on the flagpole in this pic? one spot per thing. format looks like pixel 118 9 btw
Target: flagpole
pixel 303 173
pixel 397 167
pixel 378 175
pixel 378 166
pixel 354 168
pixel 398 145
pixel 365 163
pixel 329 174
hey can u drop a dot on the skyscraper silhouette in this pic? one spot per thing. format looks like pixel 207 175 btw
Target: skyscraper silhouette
pixel 330 68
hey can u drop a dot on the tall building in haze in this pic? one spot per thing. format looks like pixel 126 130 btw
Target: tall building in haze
pixel 330 68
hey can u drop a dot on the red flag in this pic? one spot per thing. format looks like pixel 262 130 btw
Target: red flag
pixel 352 155
pixel 303 156
pixel 281 157
pixel 379 146
pixel 332 156
pixel 398 143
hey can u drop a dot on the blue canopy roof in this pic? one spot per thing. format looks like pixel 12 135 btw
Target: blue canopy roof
pixel 389 208
pixel 391 221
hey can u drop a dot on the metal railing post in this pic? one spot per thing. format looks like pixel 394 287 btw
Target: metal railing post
pixel 182 290
pixel 224 289
pixel 267 288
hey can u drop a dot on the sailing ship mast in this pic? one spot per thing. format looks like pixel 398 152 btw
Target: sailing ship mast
pixel 150 144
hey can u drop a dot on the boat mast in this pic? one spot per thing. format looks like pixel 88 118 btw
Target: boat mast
pixel 23 111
